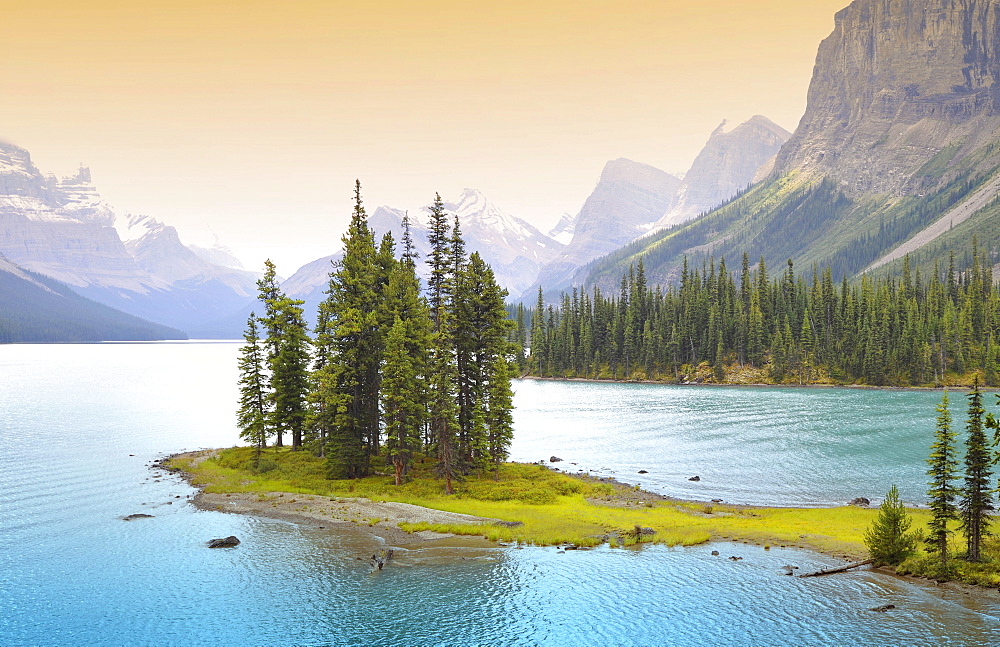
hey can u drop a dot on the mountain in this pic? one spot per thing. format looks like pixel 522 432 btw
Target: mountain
pixel 629 198
pixel 564 229
pixel 898 151
pixel 513 248
pixel 35 308
pixel 63 229
pixel 725 166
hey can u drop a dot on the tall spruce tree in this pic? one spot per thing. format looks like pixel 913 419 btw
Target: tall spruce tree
pixel 268 293
pixel 252 415
pixel 942 492
pixel 977 498
pixel 406 366
pixel 354 309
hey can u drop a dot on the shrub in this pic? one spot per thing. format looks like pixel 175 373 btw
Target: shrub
pixel 888 538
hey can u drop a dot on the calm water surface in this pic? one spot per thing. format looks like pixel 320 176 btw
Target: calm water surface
pixel 79 424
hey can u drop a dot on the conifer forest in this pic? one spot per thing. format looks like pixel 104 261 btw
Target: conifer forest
pixel 786 327
pixel 390 369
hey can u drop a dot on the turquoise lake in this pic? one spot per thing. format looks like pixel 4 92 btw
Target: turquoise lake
pixel 79 425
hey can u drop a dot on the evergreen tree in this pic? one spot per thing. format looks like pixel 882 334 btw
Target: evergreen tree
pixel 888 538
pixel 355 309
pixel 252 416
pixel 976 498
pixel 290 371
pixel 402 401
pixel 942 492
pixel 268 293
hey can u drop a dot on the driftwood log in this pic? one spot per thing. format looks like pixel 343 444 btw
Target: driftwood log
pixel 839 569
pixel 380 559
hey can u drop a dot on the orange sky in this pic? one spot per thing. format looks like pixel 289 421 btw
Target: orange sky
pixel 246 115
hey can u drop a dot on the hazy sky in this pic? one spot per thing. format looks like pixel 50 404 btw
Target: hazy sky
pixel 253 118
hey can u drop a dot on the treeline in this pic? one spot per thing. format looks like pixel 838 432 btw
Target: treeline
pixel 911 330
pixel 387 371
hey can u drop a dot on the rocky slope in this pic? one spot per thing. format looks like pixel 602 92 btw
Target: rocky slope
pixel 727 165
pixel 900 136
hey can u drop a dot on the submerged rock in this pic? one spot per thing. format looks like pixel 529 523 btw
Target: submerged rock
pixel 225 542
pixel 138 515
pixel 695 478
pixel 883 608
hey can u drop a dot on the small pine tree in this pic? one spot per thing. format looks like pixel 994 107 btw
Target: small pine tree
pixel 888 538
pixel 252 415
pixel 942 492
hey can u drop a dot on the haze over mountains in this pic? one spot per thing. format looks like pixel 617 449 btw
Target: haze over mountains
pixel 897 153
pixel 62 229
pixel 630 200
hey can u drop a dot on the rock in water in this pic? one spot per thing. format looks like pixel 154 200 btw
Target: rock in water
pixel 883 608
pixel 138 515
pixel 225 542
pixel 695 478
pixel 555 459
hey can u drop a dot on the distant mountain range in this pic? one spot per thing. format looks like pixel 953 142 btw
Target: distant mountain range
pixel 630 200
pixel 63 229
pixel 898 153
pixel 634 200
pixel 136 264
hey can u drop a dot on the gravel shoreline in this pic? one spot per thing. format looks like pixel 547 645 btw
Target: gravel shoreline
pixel 378 519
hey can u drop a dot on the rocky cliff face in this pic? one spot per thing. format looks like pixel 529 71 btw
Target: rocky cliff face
pixel 896 83
pixel 728 164
pixel 898 151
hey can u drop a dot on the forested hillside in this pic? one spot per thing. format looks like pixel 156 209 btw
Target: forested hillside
pixel 34 308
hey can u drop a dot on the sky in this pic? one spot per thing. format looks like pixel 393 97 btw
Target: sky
pixel 250 120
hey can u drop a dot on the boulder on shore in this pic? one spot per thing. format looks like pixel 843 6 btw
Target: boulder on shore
pixel 225 542
pixel 861 502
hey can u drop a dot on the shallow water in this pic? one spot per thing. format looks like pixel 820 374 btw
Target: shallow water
pixel 80 423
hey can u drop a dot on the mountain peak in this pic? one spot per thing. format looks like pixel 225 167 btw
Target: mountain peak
pixel 626 170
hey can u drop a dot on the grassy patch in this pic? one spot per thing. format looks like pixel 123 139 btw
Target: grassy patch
pixel 545 507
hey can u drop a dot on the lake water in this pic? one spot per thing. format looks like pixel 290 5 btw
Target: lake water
pixel 80 423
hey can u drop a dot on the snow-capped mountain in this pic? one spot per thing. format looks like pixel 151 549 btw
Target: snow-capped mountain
pixel 564 229
pixel 513 248
pixel 65 230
